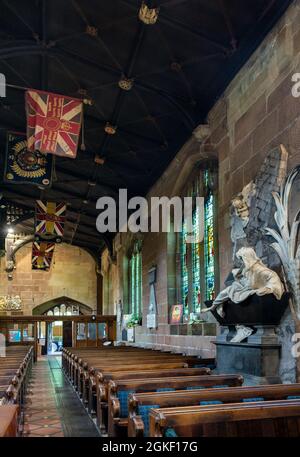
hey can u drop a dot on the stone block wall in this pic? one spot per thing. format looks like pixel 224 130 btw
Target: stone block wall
pixel 72 274
pixel 256 113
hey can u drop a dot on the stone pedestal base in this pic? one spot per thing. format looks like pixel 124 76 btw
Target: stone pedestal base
pixel 257 359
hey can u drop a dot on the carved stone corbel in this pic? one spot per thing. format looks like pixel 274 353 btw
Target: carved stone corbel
pixel 11 248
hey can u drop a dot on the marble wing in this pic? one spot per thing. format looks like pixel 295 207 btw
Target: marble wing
pixel 270 177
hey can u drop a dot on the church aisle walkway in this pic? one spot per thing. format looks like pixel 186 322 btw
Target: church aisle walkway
pixel 52 407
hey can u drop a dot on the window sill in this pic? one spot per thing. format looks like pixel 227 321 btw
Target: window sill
pixel 201 329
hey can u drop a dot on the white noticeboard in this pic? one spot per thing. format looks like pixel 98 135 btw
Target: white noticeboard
pixel 130 334
pixel 151 321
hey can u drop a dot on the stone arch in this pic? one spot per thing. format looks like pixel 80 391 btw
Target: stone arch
pixel 46 306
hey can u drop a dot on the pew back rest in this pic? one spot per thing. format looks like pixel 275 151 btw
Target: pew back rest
pixel 159 373
pixel 118 390
pixel 265 419
pixel 139 405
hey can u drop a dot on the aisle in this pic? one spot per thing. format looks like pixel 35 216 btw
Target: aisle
pixel 52 407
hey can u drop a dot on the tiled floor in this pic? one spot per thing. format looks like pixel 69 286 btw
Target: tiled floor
pixel 52 407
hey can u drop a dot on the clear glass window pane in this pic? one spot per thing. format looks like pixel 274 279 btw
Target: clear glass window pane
pixel 63 310
pixel 92 331
pixel 56 311
pixel 81 331
pixel 69 311
pixel 102 333
pixel 28 332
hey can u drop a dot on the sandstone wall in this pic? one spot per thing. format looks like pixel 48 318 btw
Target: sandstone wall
pixel 255 114
pixel 72 274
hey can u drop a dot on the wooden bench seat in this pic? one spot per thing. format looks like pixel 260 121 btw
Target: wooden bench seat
pixel 139 405
pixel 118 391
pixel 279 418
pixel 14 373
pixel 69 355
pixel 87 368
pixel 74 359
pixel 98 391
pixel 81 367
pixel 83 364
pixel 131 365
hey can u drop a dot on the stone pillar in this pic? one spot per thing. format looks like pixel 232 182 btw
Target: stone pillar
pixel 99 293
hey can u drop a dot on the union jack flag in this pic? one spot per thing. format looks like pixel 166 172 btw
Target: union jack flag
pixel 53 123
pixel 42 254
pixel 50 219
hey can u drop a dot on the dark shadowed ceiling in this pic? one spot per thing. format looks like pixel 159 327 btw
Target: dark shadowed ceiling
pixel 83 48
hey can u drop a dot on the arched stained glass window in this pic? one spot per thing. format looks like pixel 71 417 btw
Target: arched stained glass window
pixel 196 268
pixel 135 281
pixel 184 268
pixel 198 260
pixel 209 249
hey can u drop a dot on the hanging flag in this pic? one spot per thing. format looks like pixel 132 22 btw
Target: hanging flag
pixel 53 123
pixel 50 219
pixel 26 167
pixel 42 254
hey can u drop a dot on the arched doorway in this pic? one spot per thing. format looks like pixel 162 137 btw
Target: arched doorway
pixel 54 335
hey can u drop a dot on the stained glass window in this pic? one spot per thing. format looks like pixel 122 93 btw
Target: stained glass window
pixel 196 264
pixel 135 282
pixel 209 251
pixel 184 269
pixel 197 260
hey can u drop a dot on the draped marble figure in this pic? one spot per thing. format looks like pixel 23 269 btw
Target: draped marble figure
pixel 254 277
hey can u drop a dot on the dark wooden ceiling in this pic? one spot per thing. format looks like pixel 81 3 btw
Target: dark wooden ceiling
pixel 83 48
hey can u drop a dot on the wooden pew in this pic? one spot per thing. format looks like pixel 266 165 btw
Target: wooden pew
pixel 138 425
pixel 86 376
pixel 9 421
pixel 98 392
pixel 280 418
pixel 118 391
pixel 85 368
pixel 75 359
pixel 82 365
pixel 71 355
pixel 130 365
pixel 14 373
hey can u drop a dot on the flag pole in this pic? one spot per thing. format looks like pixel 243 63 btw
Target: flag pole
pixel 85 101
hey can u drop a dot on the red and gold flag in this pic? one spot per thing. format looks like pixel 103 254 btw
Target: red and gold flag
pixel 53 123
pixel 50 220
pixel 42 254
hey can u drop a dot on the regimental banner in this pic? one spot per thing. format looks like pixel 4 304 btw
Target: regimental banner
pixel 26 167
pixel 53 123
pixel 42 254
pixel 50 219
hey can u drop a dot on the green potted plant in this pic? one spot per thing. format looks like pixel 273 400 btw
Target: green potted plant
pixel 194 319
pixel 134 321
